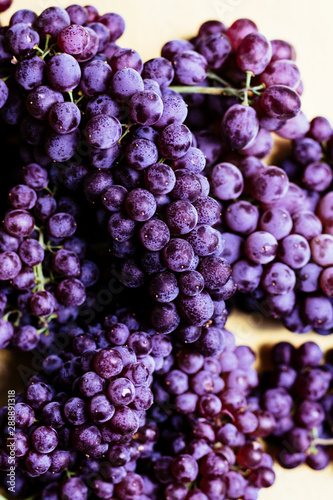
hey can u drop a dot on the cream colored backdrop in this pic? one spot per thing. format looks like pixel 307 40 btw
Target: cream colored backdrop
pixel 307 24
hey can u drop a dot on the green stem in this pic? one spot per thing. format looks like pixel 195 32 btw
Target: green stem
pixel 182 89
pixel 5 78
pixel 79 99
pixel 217 78
pixel 162 160
pixel 247 88
pixel 124 134
pixel 38 49
pixel 70 93
pixel 322 442
pixel 9 313
pixel 47 41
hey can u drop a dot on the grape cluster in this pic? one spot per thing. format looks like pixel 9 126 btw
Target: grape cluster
pixel 297 391
pixel 107 126
pixel 86 405
pixel 209 426
pixel 276 219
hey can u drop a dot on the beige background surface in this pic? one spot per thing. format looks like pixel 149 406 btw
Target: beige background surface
pixel 308 25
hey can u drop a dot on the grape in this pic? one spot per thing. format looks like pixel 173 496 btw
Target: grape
pixel 226 181
pixel 163 287
pixel 242 217
pixel 190 67
pixel 74 489
pixel 326 281
pixel 103 131
pixel 96 78
pixel 63 72
pixel 51 21
pixel 174 47
pixel 61 225
pixel 281 72
pixel 71 292
pixel 126 58
pixel 320 129
pixel 239 30
pixel 141 153
pixel 294 251
pixel 318 311
pixel 64 117
pixel 280 101
pixel 115 24
pixel 206 241
pixel 102 104
pixel 73 39
pixel 92 47
pixel 254 53
pixel 113 198
pixel 140 204
pixel 160 179
pixel 145 107
pixel 77 14
pixel 41 100
pixel 240 126
pixel 247 275
pixel 154 235
pixel 178 255
pixel 278 279
pixel 261 247
pixel 317 176
pixel 160 70
pixel 21 38
pixel 42 303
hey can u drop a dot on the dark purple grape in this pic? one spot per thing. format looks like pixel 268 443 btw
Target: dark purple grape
pixel 63 72
pixel 240 126
pixel 126 58
pixel 73 39
pixel 154 235
pixel 21 38
pixel 30 73
pixel 226 181
pixel 140 204
pixel 51 21
pixel 141 153
pixel 103 131
pixel 190 67
pixel 239 30
pixel 160 70
pixel 115 24
pixel 254 53
pixel 280 101
pixel 96 78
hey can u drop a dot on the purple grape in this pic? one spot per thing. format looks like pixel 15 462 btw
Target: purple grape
pixel 145 107
pixel 21 38
pixel 254 53
pixel 77 14
pixel 280 101
pixel 317 176
pixel 63 72
pixel 91 49
pixel 190 67
pixel 140 205
pixel 103 131
pixel 240 126
pixel 96 78
pixel 261 247
pixel 294 251
pixel 239 30
pixel 160 70
pixel 115 24
pixel 126 58
pixel 154 235
pixel 141 154
pixel 73 39
pixel 64 117
pixel 174 47
pixel 160 179
pixel 51 21
pixel 226 181
pixel 281 72
pixel 41 100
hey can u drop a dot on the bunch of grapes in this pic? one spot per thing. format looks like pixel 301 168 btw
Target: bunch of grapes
pixel 276 220
pixel 209 427
pixel 297 391
pixel 88 399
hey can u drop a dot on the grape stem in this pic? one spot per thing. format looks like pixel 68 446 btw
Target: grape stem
pixel 249 75
pixel 125 133
pixel 41 281
pixel 70 93
pixel 9 313
pixel 322 442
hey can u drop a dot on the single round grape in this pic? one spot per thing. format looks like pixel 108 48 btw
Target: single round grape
pixel 96 78
pixel 174 141
pixel 261 247
pixel 194 160
pixel 320 129
pixel 271 184
pixel 73 39
pixel 102 104
pixel 51 21
pixel 30 73
pixel 126 58
pixel 215 271
pixel 276 221
pixel 91 49
pixel 239 30
pixel 42 303
pixel 63 72
pixel 21 38
pixel 317 176
pixel 242 217
pixel 102 33
pixel 181 217
pixel 71 292
pixel 281 72
pixel 174 111
pixel 103 131
pixel 19 223
pixel 125 83
pixel 164 287
pixel 22 197
pixel 77 14
pixel 160 179
pixel 254 53
pixel 280 101
pixel 208 209
pixel 154 235
pixel 294 251
pixel 174 47
pixel 131 274
pixel 318 311
pixel 247 275
pixel 61 225
pixel 115 24
pixel 206 240
pixel 326 281
pixel 113 198
pixel 190 67
pixel 226 181
pixel 145 107
pixel 94 185
pixel 41 100
pixel 141 153
pixel 187 187
pixel 61 147
pixel 278 279
pixel 140 204
pixel 160 70
pixel 215 48
pixel 196 310
pixel 164 318
pixel 44 439
pixel 240 126
pixel 178 255
pixel 74 488
pixel 307 224
pixel 64 117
